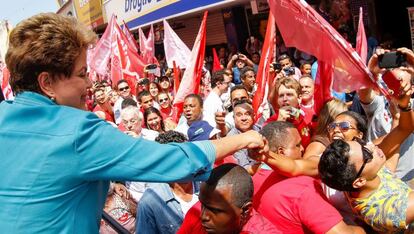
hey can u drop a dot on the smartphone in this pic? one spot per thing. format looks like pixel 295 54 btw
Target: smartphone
pixel 391 60
pixel 393 84
pixel 151 68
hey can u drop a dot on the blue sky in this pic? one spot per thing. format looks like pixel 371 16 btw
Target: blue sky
pixel 17 10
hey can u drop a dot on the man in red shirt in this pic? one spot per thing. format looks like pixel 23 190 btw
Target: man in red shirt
pixel 297 204
pixel 286 104
pixel 103 104
pixel 226 205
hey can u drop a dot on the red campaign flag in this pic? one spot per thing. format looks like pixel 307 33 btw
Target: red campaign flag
pixel 177 76
pixel 114 54
pixel 302 27
pixel 262 77
pixel 361 40
pixel 4 82
pixel 323 83
pixel 216 61
pixel 190 82
pixel 146 46
pixel 130 37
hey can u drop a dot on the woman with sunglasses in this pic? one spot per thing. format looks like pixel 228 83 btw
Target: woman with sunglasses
pixel 359 169
pixel 168 112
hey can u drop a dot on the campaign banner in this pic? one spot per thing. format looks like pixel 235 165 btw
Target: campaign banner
pixel 141 12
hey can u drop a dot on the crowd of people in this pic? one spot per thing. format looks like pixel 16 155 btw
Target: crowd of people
pixel 72 148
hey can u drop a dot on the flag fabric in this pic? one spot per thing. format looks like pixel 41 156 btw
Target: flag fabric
pixel 323 85
pixel 115 55
pixel 175 49
pixel 361 40
pixel 216 61
pixel 190 82
pixel 5 29
pixel 177 77
pixel 130 37
pixel 146 46
pixel 262 77
pixel 4 82
pixel 302 27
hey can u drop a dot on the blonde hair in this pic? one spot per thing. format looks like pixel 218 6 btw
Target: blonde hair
pixel 327 115
pixel 45 42
pixel 289 83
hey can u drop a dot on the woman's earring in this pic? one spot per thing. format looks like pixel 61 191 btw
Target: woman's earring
pixel 53 99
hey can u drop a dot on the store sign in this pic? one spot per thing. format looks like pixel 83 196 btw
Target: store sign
pixel 140 12
pixel 89 12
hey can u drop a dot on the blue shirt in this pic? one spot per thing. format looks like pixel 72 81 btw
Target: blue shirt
pixel 56 162
pixel 159 211
pixel 236 76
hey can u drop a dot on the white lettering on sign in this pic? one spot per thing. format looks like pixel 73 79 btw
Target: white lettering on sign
pixel 138 5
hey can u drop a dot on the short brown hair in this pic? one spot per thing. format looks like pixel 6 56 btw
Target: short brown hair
pixel 289 83
pixel 45 42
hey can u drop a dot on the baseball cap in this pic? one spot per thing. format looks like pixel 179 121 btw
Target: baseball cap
pixel 201 130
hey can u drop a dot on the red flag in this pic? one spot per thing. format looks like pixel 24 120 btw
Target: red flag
pixel 146 46
pixel 323 83
pixel 361 40
pixel 175 49
pixel 268 53
pixel 177 76
pixel 302 27
pixel 130 37
pixel 216 61
pixel 190 82
pixel 114 54
pixel 4 82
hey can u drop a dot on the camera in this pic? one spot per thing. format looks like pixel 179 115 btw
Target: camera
pixel 391 60
pixel 277 67
pixel 289 71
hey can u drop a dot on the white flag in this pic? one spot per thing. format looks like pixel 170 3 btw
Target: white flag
pixel 175 49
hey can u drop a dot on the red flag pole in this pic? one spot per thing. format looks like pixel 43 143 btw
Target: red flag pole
pixel 264 65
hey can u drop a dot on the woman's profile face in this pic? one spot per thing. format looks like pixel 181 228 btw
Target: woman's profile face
pixel 346 134
pixel 72 91
pixel 154 122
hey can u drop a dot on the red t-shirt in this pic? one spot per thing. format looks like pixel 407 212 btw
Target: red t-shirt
pixel 256 224
pixel 309 113
pixel 108 116
pixel 300 125
pixel 294 205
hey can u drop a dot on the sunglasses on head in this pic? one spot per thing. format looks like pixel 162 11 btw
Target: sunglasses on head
pixel 124 88
pixel 343 126
pixel 366 155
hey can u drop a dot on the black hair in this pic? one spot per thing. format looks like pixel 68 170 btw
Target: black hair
pixel 120 82
pixel 282 57
pixel 170 136
pixel 244 70
pixel 128 102
pixel 217 76
pixel 150 110
pixel 142 94
pixel 196 96
pixel 334 167
pixel 277 134
pixel 360 121
pixel 230 174
pixel 238 87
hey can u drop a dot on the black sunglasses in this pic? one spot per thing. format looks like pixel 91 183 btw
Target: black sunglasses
pixel 124 88
pixel 366 155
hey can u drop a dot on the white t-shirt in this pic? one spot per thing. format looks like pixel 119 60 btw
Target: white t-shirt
pixel 185 206
pixel 379 117
pixel 211 105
